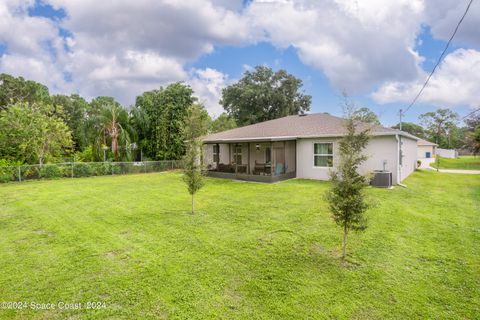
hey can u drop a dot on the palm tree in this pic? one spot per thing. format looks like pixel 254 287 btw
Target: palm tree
pixel 141 124
pixel 114 125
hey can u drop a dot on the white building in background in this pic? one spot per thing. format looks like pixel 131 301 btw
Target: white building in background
pixel 447 153
pixel 426 149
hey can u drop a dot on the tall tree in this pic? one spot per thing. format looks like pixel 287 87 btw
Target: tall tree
pixel 439 124
pixel 412 128
pixel 165 110
pixel 346 197
pixel 223 122
pixel 473 133
pixel 473 142
pixel 93 127
pixel 366 115
pixel 31 133
pixel 13 90
pixel 140 121
pixel 263 95
pixel 196 125
pixel 116 129
pixel 74 112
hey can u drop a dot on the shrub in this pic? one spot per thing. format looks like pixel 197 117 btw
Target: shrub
pixel 8 170
pixel 30 172
pixel 6 174
pixel 419 163
pixel 50 171
pixel 82 170
pixel 102 169
pixel 87 155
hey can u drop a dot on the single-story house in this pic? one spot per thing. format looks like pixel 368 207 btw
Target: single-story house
pixel 426 149
pixel 303 146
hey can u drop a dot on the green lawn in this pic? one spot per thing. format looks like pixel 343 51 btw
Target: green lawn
pixel 253 251
pixel 463 162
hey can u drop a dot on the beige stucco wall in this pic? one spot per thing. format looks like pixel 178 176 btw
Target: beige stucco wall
pixel 379 149
pixel 422 150
pixel 409 163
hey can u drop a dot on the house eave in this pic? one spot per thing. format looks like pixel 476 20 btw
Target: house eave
pixel 287 138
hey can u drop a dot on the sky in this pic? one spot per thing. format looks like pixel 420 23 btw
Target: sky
pixel 378 51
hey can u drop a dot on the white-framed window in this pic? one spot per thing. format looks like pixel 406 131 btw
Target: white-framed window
pixel 323 154
pixel 216 153
pixel 237 154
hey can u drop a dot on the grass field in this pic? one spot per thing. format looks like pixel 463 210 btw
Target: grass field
pixel 462 163
pixel 253 251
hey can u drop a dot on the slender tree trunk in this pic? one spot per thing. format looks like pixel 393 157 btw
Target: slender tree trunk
pixel 193 204
pixel 345 231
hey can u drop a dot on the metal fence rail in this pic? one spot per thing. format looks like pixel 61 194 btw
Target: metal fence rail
pixel 83 169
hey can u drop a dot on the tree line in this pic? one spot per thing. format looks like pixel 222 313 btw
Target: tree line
pixel 441 126
pixel 37 127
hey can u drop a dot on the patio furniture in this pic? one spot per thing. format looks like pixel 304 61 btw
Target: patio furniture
pixel 279 169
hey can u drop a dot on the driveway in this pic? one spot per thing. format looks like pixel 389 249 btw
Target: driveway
pixel 427 161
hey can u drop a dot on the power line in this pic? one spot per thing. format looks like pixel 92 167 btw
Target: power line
pixel 440 58
pixel 468 115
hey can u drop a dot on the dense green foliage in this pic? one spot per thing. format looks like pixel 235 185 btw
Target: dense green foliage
pixel 164 110
pixel 31 133
pixel 222 123
pixel 441 128
pixel 14 90
pixel 413 128
pixel 346 197
pixel 51 172
pixel 473 133
pixel 73 110
pixel 263 95
pixel 115 130
pixel 461 163
pixel 99 129
pixel 366 115
pixel 251 251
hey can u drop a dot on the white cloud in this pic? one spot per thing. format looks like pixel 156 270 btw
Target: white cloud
pixel 443 16
pixel 456 82
pixel 208 84
pixel 34 47
pixel 356 44
pixel 122 48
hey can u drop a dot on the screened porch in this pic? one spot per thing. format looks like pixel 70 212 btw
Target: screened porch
pixel 262 161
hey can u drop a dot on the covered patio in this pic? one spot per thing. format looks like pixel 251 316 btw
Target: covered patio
pixel 261 161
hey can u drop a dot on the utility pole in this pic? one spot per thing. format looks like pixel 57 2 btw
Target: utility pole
pixel 400 114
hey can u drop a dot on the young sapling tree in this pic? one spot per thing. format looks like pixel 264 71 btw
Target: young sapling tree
pixel 197 123
pixel 346 197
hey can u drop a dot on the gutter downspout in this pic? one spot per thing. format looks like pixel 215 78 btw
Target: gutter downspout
pixel 399 159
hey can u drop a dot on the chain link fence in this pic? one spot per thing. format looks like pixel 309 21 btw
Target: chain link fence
pixel 83 169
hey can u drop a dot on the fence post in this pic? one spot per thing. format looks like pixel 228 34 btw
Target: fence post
pixel 19 174
pixel 113 164
pixel 71 170
pixel 172 163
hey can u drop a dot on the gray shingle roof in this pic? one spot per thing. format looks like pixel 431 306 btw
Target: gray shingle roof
pixel 422 142
pixel 296 126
